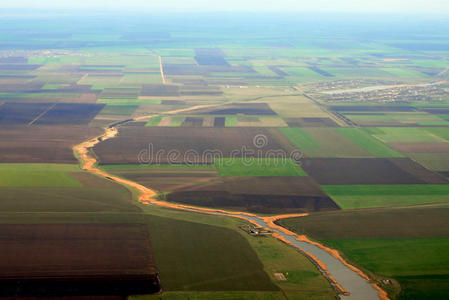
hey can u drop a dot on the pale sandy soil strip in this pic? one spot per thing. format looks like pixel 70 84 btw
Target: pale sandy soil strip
pixel 82 78
pixel 161 67
pixel 148 196
pixel 42 114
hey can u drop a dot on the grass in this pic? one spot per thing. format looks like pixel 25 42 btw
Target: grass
pixel 301 139
pixel 37 175
pixel 401 134
pixel 305 283
pixel 324 142
pixel 258 167
pixel 364 140
pixel 409 261
pixel 368 196
pixel 432 161
pixel 154 121
pixel 227 263
pixel 408 244
pixel 157 167
pixel 118 110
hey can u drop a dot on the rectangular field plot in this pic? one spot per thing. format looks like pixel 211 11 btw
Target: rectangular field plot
pixel 237 108
pixel 42 144
pixel 186 145
pixel 263 194
pixel 211 268
pixel 21 113
pixel 381 240
pixel 258 167
pixel 401 119
pixel 28 175
pixel 70 114
pixel 324 142
pixel 367 196
pixel 397 135
pixel 46 259
pixel 374 223
pixel 344 171
pixel 168 178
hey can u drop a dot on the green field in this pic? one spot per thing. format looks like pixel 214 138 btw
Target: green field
pixel 370 144
pixel 408 244
pixel 211 268
pixel 37 175
pixel 420 265
pixel 304 281
pixel 157 167
pixel 397 134
pixel 328 142
pixel 258 167
pixel 368 196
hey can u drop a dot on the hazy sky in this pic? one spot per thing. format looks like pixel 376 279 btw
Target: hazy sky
pixel 386 6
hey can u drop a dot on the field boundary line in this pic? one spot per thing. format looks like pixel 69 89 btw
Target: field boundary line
pixel 42 114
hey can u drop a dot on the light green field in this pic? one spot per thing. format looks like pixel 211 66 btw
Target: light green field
pixel 154 121
pixel 324 142
pixel 368 196
pixel 157 167
pixel 370 144
pixel 258 167
pixel 398 72
pixel 37 175
pixel 432 161
pixel 118 110
pixel 401 134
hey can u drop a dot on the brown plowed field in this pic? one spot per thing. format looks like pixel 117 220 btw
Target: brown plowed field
pixel 420 147
pixel 131 141
pixel 331 171
pixel 72 250
pixel 42 144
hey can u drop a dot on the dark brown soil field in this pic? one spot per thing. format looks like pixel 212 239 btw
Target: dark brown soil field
pixel 219 122
pixel 186 144
pixel 89 258
pixel 278 71
pixel 237 108
pixel 21 113
pixel 160 90
pixel 42 144
pixel 269 204
pixel 374 223
pixel 368 171
pixel 192 122
pixel 257 194
pixel 420 147
pixel 70 114
pixel 310 122
pixel 210 57
pixel 321 72
pixel 17 88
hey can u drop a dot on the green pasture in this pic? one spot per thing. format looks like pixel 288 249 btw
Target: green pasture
pixel 367 142
pixel 37 175
pixel 405 134
pixel 369 196
pixel 157 167
pixel 258 167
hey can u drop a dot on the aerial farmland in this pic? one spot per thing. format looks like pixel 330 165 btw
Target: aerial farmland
pixel 179 158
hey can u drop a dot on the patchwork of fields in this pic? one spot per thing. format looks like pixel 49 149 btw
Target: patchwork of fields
pixel 354 133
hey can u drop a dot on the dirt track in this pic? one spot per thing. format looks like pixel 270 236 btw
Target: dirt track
pixel 148 197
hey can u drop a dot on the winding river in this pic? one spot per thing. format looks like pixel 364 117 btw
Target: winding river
pixel 350 282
